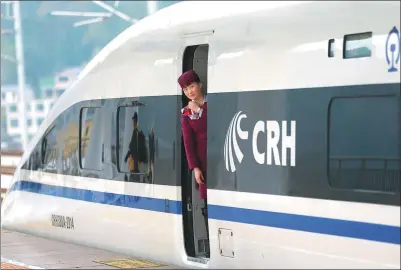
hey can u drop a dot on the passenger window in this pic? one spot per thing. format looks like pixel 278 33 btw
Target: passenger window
pixel 91 138
pixel 50 150
pixel 365 144
pixel 70 133
pixel 113 139
pixel 133 140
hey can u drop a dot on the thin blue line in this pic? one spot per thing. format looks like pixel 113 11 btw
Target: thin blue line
pixel 328 226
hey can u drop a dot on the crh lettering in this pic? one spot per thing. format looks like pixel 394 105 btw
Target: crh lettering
pixel 271 155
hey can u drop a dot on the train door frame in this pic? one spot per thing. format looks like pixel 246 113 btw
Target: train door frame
pixel 197 250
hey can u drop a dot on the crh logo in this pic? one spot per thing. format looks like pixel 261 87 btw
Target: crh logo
pixel 272 131
pixel 231 140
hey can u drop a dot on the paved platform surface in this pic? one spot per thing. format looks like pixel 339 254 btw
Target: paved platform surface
pixel 23 251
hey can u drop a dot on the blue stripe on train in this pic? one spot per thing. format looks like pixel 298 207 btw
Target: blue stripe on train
pixel 328 226
pixel 338 227
pixel 144 203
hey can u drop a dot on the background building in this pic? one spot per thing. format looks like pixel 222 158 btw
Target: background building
pixel 62 80
pixel 36 111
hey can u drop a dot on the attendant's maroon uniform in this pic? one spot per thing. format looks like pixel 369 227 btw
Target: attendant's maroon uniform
pixel 194 132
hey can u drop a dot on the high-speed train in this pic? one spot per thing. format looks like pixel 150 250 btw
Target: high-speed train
pixel 304 140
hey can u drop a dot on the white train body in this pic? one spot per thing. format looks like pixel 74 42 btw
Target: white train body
pixel 288 67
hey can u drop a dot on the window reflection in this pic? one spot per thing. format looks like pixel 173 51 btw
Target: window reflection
pixel 135 143
pixel 50 151
pixel 364 133
pixel 69 135
pixel 91 138
pixel 82 141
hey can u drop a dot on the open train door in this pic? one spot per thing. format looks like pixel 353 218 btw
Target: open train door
pixel 195 221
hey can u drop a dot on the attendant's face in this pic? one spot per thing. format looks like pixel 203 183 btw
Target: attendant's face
pixel 193 91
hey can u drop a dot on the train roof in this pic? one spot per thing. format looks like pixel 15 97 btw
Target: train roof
pixel 184 13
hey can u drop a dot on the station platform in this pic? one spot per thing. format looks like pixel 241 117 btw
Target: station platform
pixel 23 251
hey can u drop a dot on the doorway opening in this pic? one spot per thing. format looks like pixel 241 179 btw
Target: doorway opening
pixel 194 212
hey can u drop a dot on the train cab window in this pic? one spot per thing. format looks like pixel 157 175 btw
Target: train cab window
pixel 331 48
pixel 50 150
pixel 34 161
pixel 133 141
pixel 357 45
pixel 365 144
pixel 90 138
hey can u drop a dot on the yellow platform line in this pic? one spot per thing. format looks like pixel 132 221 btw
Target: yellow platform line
pixel 130 263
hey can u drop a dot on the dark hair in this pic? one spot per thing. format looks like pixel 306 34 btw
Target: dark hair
pixel 135 117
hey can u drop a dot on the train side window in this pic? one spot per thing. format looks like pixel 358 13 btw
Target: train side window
pixel 90 138
pixel 50 150
pixel 365 144
pixel 133 136
pixel 113 136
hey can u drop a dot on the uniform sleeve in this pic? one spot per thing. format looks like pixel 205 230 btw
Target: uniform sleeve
pixel 188 135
